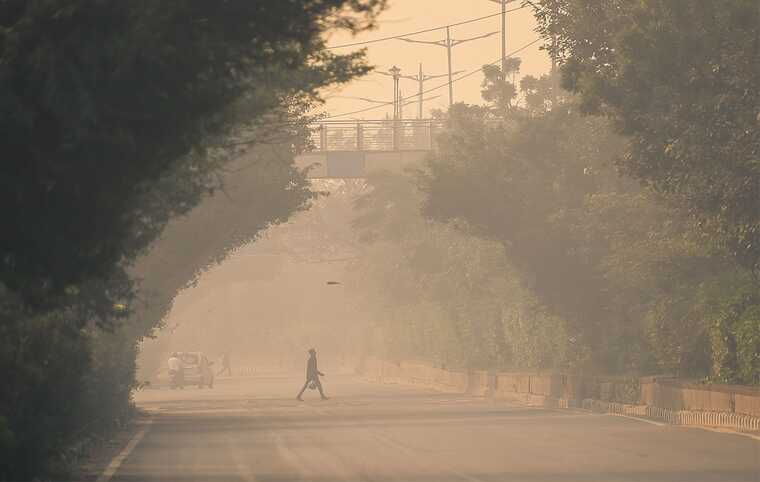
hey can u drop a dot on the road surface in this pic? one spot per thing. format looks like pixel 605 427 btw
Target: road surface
pixel 253 429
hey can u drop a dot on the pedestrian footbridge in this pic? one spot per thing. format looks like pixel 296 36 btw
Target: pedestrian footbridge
pixel 354 149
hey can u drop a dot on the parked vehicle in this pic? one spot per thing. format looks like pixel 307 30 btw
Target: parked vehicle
pixel 197 369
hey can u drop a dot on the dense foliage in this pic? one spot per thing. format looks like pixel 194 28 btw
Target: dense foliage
pixel 641 285
pixel 577 267
pixel 100 99
pixel 117 117
pixel 679 79
pixel 433 292
pixel 259 188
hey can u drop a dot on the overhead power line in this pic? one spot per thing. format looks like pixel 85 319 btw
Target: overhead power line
pixel 449 43
pixel 434 29
pixel 374 107
pixel 441 86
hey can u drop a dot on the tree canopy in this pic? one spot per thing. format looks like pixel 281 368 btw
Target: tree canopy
pixel 118 117
pixel 679 79
pixel 102 99
pixel 628 274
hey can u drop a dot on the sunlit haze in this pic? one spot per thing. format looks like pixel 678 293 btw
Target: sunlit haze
pixel 406 16
pixel 236 247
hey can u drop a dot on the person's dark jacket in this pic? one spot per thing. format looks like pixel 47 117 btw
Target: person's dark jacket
pixel 312 373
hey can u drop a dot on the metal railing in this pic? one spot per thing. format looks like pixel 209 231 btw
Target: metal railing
pixel 380 135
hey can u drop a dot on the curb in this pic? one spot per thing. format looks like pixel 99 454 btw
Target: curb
pixel 732 421
pixel 690 418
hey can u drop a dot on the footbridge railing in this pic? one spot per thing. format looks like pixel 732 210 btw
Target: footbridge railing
pixel 375 135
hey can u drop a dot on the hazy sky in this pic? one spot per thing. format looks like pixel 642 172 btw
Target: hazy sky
pixel 412 15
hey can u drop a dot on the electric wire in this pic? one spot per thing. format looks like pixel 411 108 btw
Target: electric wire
pixel 374 107
pixel 434 29
pixel 441 86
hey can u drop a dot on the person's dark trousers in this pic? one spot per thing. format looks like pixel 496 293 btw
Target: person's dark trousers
pixel 319 387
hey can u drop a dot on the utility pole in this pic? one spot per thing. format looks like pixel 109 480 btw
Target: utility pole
pixel 503 33
pixel 448 57
pixel 504 37
pixel 420 90
pixel 449 43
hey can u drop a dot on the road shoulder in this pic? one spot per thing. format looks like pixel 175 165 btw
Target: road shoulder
pixel 104 451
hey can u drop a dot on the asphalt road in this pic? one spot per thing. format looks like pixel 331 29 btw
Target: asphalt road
pixel 253 429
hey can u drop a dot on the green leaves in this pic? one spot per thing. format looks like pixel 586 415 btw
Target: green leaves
pixel 113 118
pixel 677 77
pixel 98 111
pixel 433 288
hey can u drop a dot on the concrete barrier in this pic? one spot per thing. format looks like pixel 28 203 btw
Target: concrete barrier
pixel 449 381
pixel 670 400
pixel 509 383
pixel 700 399
pixel 415 373
pixel 574 388
pixel 674 394
pixel 480 383
pixel 748 404
pixel 647 391
pixel 457 382
pixel 371 369
pixel 390 372
pixel 548 385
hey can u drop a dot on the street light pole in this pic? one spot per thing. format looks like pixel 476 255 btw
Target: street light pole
pixel 420 78
pixel 420 91
pixel 395 73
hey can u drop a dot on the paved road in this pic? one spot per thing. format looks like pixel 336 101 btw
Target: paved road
pixel 254 430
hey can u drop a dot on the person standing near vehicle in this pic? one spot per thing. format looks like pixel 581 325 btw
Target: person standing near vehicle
pixel 312 375
pixel 226 368
pixel 176 371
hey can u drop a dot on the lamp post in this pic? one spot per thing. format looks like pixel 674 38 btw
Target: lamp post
pixel 421 78
pixel 396 74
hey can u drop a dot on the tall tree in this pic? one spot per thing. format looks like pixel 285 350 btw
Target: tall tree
pixel 103 99
pixel 679 78
pixel 117 117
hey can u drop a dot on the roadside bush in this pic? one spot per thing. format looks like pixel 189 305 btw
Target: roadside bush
pixel 747 329
pixel 535 338
pixel 42 363
pixel 731 306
